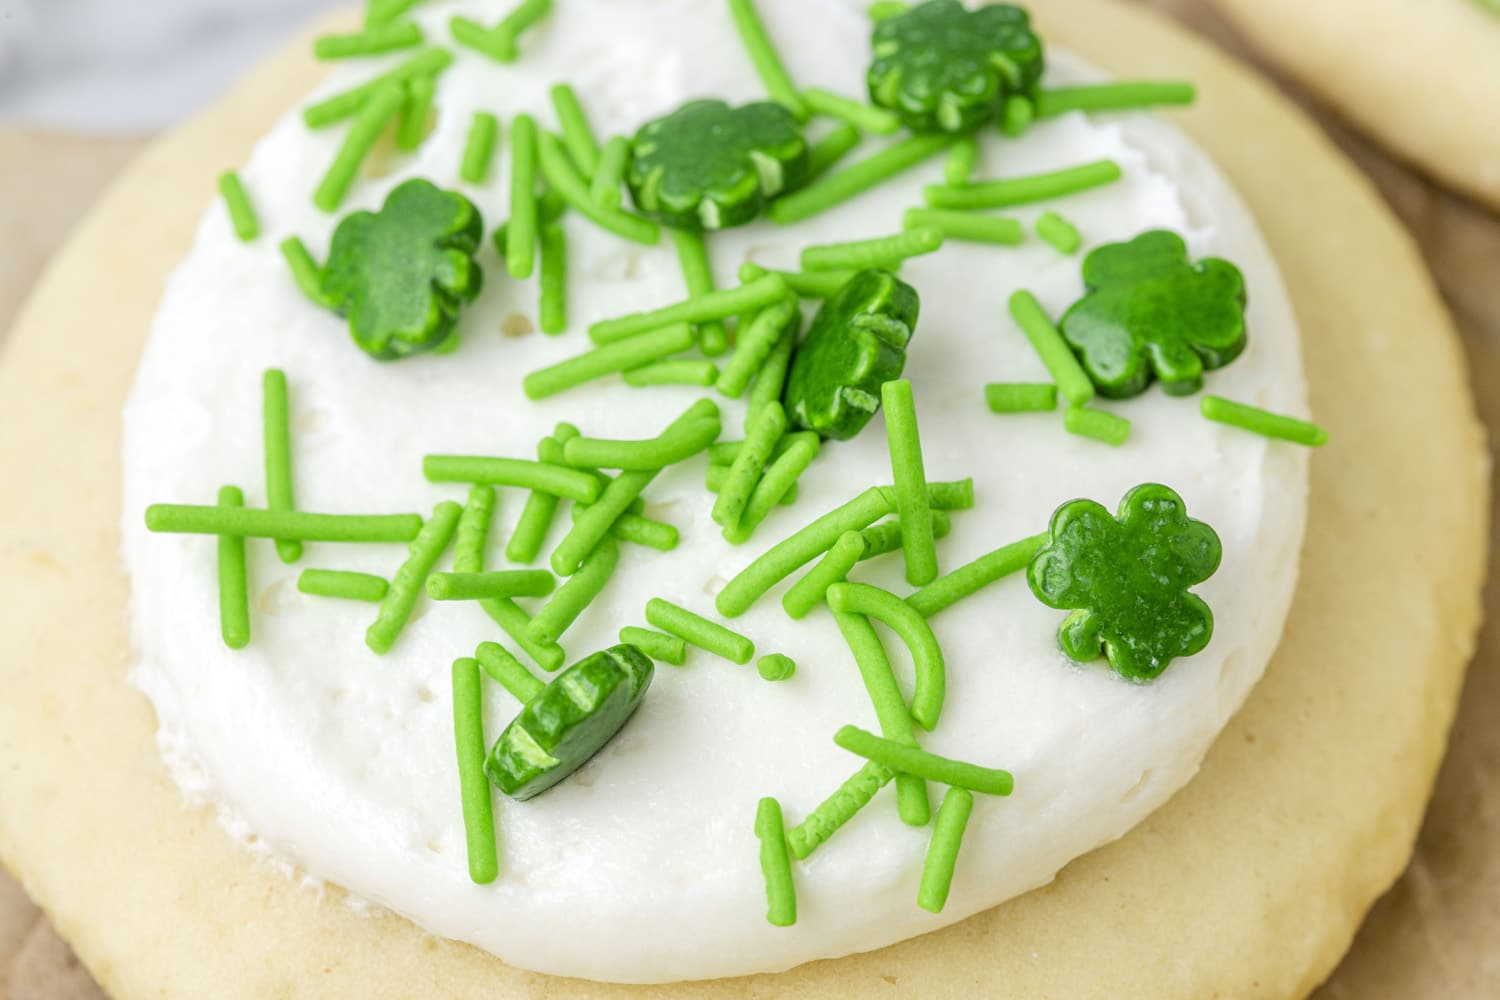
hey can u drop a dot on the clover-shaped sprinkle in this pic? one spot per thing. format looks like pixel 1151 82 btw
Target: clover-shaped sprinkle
pixel 944 68
pixel 1126 580
pixel 1150 312
pixel 711 166
pixel 402 274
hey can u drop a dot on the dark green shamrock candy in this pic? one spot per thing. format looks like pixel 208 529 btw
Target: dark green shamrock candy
pixel 944 68
pixel 857 342
pixel 402 274
pixel 710 166
pixel 569 721
pixel 1126 580
pixel 1149 311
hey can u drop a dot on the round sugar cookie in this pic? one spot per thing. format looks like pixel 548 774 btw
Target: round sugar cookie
pixel 1248 883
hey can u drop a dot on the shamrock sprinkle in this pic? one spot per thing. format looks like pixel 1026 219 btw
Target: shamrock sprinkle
pixel 1126 580
pixel 1150 312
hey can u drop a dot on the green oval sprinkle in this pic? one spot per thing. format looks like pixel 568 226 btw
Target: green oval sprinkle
pixel 407 583
pixel 371 120
pixel 685 371
pixel 556 479
pixel 910 760
pixel 807 593
pixel 836 810
pixel 373 41
pixel 1085 421
pixel 678 443
pixel 765 59
pixel 566 182
pixel 237 203
pixel 1262 422
pixel 838 187
pixel 699 631
pixel 507 671
pixel 295 524
pixel 880 252
pixel 966 226
pixel 830 149
pixel 277 435
pixel 344 584
pixel 1122 96
pixel 1023 190
pixel 1072 381
pixel 942 850
pixel 578 137
pixel 234 593
pixel 905 446
pixel 776 667
pixel 715 305
pixel 857 114
pixel 474 787
pixel 697 274
pixel 775 864
pixel 1020 397
pixel 416 114
pixel 631 352
pixel 658 645
pixel 589 580
pixel 516 623
pixel 496 583
pixel 1016 115
pixel 961 161
pixel 1059 232
pixel 604 186
pixel 429 62
pixel 927 656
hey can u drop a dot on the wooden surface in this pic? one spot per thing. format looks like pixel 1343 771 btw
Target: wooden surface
pixel 1435 935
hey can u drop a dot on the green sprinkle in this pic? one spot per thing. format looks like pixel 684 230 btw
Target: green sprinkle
pixel 886 536
pixel 234 596
pixel 536 517
pixel 554 618
pixel 961 161
pixel 604 186
pixel 942 850
pixel 578 137
pixel 971 577
pixel 299 525
pixel 369 122
pixel 371 42
pixel 1085 421
pixel 407 583
pixel 479 147
pixel 725 452
pixel 1020 397
pixel 343 583
pixel 697 274
pixel 879 252
pixel 237 202
pixel 775 863
pixel 717 474
pixel 1059 232
pixel 278 451
pixel 526 14
pixel 516 623
pixel 428 63
pixel 839 808
pixel 677 444
pixel 854 113
pixel 498 583
pixel 901 618
pixel 500 42
pixel 905 446
pixel 382 12
pixel 776 667
pixel 912 803
pixel 884 10
pixel 910 760
pixel 697 309
pixel 834 567
pixel 807 285
pixel 657 645
pixel 638 530
pixel 474 787
pixel 553 281
pixel 779 481
pixel 1016 115
pixel 830 149
pixel 1125 95
pixel 1022 190
pixel 681 372
pixel 749 465
pixel 1072 381
pixel 306 271
pixel 632 352
pixel 520 228
pixel 416 114
pixel 838 187
pixel 699 631
pixel 968 226
pixel 556 479
pixel 563 179
pixel 756 342
pixel 1263 422
pixel 507 671
pixel 763 55
pixel 771 378
pixel 955 495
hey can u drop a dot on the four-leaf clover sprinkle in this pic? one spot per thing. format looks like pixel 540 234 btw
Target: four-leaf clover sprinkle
pixel 1148 312
pixel 1126 580
pixel 401 274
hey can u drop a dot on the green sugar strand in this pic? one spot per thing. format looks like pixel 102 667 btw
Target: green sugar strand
pixel 511 27
pixel 474 529
pixel 373 41
pixel 659 646
pixel 613 357
pixel 864 117
pixel 545 476
pixel 886 536
pixel 407 583
pixel 479 147
pixel 277 438
pixel 699 631
pixel 771 378
pixel 1085 421
pixel 638 530
pixel 959 166
pixel 516 623
pixel 1020 397
pixel 237 203
pixel 294 524
pixel 563 179
pixel 807 593
pixel 749 466
pixel 776 667
pixel 1262 422
pixel 698 275
pixel 429 63
pixel 942 850
pixel 955 495
pixel 234 592
pixel 926 655
pixel 968 227
pixel 1016 115
pixel 912 802
pixel 592 526
pixel 369 122
pixel 382 12
pixel 905 446
pixel 830 149
pixel 755 344
pixel 343 584
pixel 1059 232
pixel 685 371
pixel 911 760
pixel 715 305
pixel 1072 381
pixel 536 517
pixel 1122 96
pixel 593 573
pixel 884 10
pixel 604 186
pixel 473 35
pixel 972 577
pixel 790 554
pixel 520 228
pixel 717 474
pixel 474 586
pixel 669 448
pixel 416 113
pixel 803 284
pixel 764 57
pixel 577 135
pixel 725 452
pixel 839 186
pixel 1023 190
pixel 779 480
pixel 879 252
pixel 474 786
pixel 839 808
pixel 306 271
pixel 507 671
pixel 775 863
pixel 552 284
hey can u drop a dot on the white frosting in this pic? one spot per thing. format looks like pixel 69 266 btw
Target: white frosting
pixel 643 867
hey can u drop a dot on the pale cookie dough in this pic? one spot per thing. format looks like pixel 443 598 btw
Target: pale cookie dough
pixel 1249 883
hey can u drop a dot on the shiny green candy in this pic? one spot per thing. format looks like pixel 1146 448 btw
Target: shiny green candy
pixel 1151 313
pixel 1126 580
pixel 857 342
pixel 569 721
